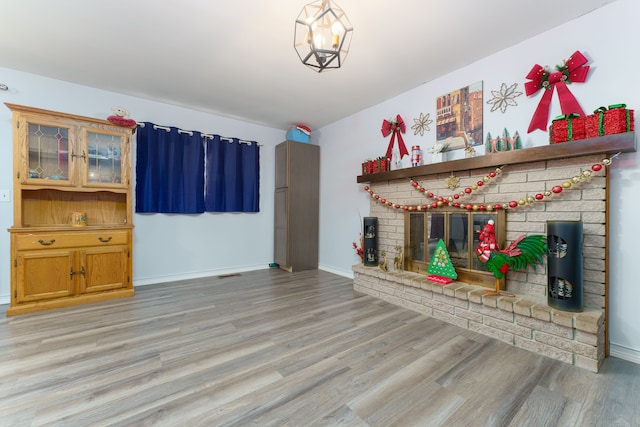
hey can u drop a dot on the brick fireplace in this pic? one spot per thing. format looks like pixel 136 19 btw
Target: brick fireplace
pixel 525 320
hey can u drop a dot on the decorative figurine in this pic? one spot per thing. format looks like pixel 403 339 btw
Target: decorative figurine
pixel 440 269
pixel 398 261
pixel 383 261
pixel 522 252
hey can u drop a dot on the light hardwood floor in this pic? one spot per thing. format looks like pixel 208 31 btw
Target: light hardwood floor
pixel 270 348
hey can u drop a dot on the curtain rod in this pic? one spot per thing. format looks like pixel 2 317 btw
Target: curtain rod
pixel 204 135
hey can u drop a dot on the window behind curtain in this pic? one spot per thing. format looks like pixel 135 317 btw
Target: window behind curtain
pixel 232 175
pixel 179 171
pixel 169 170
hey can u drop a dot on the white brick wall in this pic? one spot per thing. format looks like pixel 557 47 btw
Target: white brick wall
pixel 525 321
pixel 584 201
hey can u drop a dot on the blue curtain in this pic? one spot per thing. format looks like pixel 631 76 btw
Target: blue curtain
pixel 169 170
pixel 232 175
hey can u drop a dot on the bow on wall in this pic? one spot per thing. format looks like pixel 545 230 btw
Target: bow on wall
pixel 395 127
pixel 574 70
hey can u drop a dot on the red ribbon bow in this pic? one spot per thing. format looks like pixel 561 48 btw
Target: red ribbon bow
pixel 574 71
pixel 395 127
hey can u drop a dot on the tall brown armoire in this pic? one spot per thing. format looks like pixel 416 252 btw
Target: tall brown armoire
pixel 297 206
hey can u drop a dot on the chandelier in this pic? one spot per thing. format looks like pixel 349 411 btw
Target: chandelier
pixel 322 35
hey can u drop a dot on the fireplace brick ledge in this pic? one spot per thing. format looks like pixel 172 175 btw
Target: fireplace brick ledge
pixel 522 321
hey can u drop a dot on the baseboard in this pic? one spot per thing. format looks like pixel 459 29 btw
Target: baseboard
pixel 625 353
pixel 337 271
pixel 152 280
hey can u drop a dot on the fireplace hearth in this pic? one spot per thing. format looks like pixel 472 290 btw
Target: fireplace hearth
pixel 525 320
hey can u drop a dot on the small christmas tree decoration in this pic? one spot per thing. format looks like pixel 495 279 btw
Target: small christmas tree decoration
pixel 440 269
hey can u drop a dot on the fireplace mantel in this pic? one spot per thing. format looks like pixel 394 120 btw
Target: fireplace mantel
pixel 623 142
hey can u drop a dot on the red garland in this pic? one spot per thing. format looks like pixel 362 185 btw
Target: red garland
pixel 453 201
pixel 574 70
pixel 395 127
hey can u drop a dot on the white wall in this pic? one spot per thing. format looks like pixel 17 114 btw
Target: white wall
pixel 605 37
pixel 166 247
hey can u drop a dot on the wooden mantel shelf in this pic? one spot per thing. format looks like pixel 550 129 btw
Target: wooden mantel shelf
pixel 623 142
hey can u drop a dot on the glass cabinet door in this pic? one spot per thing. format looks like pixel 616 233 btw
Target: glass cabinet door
pixel 104 159
pixel 48 154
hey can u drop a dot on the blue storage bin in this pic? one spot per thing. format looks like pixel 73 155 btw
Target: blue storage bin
pixel 297 135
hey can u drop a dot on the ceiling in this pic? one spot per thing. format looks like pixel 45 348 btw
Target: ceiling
pixel 236 58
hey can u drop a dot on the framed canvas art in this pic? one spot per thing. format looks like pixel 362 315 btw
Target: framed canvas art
pixel 459 118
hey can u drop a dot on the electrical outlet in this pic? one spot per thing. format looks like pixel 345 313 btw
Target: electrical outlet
pixel 5 195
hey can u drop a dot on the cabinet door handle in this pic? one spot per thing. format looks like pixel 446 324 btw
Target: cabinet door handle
pixel 43 243
pixel 71 273
pixel 103 240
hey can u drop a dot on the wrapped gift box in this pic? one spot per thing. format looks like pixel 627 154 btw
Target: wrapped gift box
pixel 616 119
pixel 381 164
pixel 568 127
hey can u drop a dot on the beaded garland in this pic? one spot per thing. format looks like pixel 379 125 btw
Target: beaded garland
pixel 454 199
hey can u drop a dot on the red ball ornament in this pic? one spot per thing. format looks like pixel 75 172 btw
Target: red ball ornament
pixel 456 205
pixel 483 208
pixel 422 189
pixel 456 196
pixel 513 204
pixel 415 184
pixel 376 197
pixel 539 196
pixel 431 195
pixel 497 206
pixel 405 208
pixel 424 207
pixel 397 206
pixel 597 167
pixel 468 207
pixel 389 203
pixel 434 205
pixel 480 183
pixel 492 174
pixel 468 190
pixel 557 189
pixel 383 201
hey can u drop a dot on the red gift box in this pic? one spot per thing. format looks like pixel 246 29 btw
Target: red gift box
pixel 616 119
pixel 568 127
pixel 594 123
pixel 381 164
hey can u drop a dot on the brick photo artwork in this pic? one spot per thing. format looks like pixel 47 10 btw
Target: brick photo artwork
pixel 525 320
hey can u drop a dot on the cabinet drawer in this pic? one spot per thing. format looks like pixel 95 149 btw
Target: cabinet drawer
pixel 70 239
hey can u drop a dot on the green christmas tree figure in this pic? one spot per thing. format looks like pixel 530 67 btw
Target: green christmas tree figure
pixel 440 269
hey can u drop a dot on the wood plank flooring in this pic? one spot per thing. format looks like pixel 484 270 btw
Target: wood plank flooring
pixel 270 348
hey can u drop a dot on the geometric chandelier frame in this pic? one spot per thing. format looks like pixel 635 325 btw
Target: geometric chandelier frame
pixel 322 35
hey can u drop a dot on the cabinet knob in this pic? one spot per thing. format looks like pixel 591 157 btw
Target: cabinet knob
pixel 43 243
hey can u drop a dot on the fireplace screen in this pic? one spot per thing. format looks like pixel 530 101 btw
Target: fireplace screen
pixel 459 231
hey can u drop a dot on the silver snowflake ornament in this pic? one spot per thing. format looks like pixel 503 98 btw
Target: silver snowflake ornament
pixel 504 97
pixel 421 124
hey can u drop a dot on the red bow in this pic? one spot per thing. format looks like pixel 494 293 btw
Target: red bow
pixel 573 70
pixel 394 127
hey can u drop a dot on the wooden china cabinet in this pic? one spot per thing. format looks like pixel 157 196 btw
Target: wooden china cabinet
pixel 71 239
